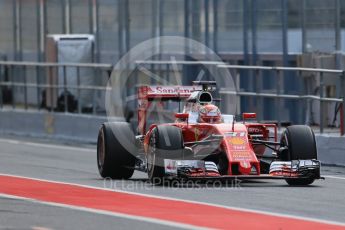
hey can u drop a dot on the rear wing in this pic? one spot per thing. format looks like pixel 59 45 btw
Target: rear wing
pixel 161 92
pixel 147 94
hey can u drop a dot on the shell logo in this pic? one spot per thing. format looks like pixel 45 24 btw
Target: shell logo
pixel 236 141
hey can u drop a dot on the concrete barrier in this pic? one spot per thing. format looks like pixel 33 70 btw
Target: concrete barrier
pixel 84 128
pixel 65 126
pixel 331 149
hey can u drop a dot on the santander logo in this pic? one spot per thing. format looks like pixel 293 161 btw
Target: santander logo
pixel 172 89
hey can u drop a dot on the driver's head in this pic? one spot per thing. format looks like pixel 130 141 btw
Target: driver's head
pixel 209 114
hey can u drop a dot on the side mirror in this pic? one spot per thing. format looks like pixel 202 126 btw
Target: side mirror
pixel 182 116
pixel 248 116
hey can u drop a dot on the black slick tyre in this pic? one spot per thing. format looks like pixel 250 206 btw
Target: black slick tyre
pixel 301 145
pixel 166 142
pixel 116 150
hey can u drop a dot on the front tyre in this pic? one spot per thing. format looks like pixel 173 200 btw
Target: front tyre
pixel 166 142
pixel 115 159
pixel 301 145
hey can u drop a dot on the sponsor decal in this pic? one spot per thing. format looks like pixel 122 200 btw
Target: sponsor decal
pixel 235 134
pixel 196 134
pixel 172 90
pixel 170 166
pixel 254 130
pixel 236 141
pixel 241 155
pixel 239 147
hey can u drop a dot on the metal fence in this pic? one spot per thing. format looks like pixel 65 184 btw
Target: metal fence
pixel 278 95
pixel 33 80
pixel 33 86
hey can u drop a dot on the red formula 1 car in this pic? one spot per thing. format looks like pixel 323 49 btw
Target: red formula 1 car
pixel 204 144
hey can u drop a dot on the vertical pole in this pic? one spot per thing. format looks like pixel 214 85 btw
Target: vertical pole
pixel 78 90
pixel 185 68
pixel 90 16
pixel 338 52
pixel 160 31
pixel 321 102
pixel 25 88
pixel 38 89
pixel 337 27
pixel 65 89
pixel 52 89
pixel 39 52
pixel 245 32
pixel 258 88
pixel 303 25
pixel 17 30
pixel 154 33
pixel 38 31
pixel 127 40
pixel 95 21
pixel 94 93
pixel 41 25
pixel 215 26
pixel 14 26
pixel 342 119
pixel 12 87
pixel 167 69
pixel 68 17
pixel 244 74
pixel 186 21
pixel 195 10
pixel 207 31
pixel 160 18
pixel 284 32
pixel 120 27
pixel 160 21
pixel 254 30
pixel 63 15
pixel 252 79
pixel 127 26
pixel 284 18
pixel 278 90
pixel 41 46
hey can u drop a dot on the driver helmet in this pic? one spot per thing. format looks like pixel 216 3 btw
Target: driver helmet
pixel 209 114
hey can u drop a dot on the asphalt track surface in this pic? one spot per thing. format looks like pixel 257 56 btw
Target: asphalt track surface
pixel 324 201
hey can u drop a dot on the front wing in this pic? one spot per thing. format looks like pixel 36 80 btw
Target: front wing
pixel 205 170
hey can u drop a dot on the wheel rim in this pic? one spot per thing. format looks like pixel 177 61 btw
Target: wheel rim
pixel 285 143
pixel 101 149
pixel 150 163
pixel 151 156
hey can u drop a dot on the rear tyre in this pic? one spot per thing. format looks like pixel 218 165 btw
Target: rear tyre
pixel 166 142
pixel 301 145
pixel 115 159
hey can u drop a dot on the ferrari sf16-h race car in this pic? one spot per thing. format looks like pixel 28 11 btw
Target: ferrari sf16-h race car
pixel 204 144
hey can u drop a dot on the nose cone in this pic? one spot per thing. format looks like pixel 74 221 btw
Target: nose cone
pixel 245 167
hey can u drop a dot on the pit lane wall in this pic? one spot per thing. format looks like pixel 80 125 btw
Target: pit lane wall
pixel 331 149
pixel 84 128
pixel 64 126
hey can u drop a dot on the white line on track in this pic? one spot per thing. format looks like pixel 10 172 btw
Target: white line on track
pixel 334 177
pixel 16 142
pixel 108 213
pixel 192 202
